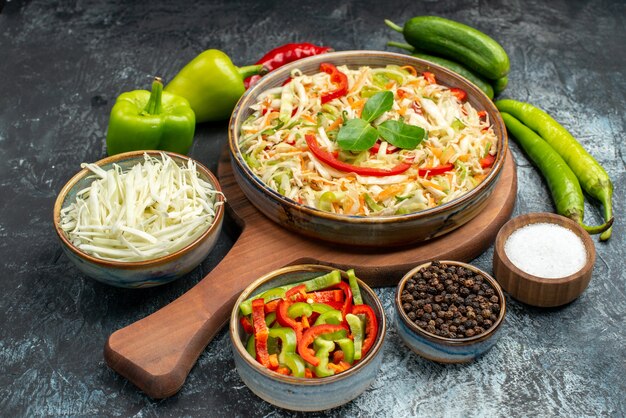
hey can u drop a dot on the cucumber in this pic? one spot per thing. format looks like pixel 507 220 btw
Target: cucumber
pixel 459 42
pixel 459 69
pixel 500 84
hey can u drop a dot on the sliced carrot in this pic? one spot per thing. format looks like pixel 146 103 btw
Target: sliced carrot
pixel 389 192
pixel 409 69
pixel 337 123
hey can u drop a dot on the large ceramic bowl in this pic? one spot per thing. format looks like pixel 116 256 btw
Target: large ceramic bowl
pixel 361 230
pixel 305 394
pixel 147 273
pixel 442 349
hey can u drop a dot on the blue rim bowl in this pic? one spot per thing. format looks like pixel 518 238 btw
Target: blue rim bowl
pixel 147 273
pixel 305 394
pixel 447 350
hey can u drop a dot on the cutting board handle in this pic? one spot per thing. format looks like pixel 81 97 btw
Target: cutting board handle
pixel 157 352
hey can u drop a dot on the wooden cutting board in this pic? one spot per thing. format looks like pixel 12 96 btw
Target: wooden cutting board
pixel 156 353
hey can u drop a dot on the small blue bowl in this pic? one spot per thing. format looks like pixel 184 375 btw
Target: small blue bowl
pixel 147 273
pixel 305 394
pixel 447 350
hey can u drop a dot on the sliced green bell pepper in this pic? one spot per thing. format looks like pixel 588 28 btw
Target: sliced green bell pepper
pixel 212 84
pixel 317 283
pixel 347 346
pixel 356 328
pixel 250 346
pixel 150 120
pixel 330 317
pixel 295 364
pixel 322 351
pixel 354 286
pixel 299 309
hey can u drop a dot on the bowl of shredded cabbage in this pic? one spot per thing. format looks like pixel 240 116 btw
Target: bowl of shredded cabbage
pixel 139 219
pixel 367 148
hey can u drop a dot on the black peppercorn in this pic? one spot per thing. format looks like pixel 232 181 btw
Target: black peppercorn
pixel 450 301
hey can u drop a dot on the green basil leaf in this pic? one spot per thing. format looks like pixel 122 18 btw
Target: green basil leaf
pixel 377 105
pixel 356 135
pixel 401 134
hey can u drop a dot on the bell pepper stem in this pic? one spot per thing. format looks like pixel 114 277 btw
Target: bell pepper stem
pixel 251 70
pixel 154 103
pixel 394 26
pixel 401 45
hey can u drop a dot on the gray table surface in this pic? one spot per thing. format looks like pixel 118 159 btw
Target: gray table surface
pixel 63 63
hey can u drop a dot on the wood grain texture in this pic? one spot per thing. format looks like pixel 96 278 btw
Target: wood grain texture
pixel 156 353
pixel 538 291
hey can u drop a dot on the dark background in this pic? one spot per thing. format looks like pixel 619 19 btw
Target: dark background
pixel 62 64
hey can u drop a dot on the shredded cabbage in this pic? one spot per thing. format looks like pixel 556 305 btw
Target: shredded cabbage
pixel 151 210
pixel 273 145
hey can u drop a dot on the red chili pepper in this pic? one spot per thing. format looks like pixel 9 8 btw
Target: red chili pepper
pixel 247 326
pixel 371 326
pixel 459 93
pixel 284 54
pixel 429 77
pixel 376 147
pixel 261 333
pixel 328 158
pixel 336 77
pixel 487 161
pixel 433 171
pixel 310 335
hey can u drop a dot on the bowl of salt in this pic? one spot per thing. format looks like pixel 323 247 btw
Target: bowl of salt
pixel 543 259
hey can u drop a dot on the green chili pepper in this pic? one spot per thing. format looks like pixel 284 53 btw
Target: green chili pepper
pixel 156 120
pixel 591 175
pixel 323 349
pixel 563 184
pixel 330 317
pixel 299 309
pixel 354 286
pixel 347 346
pixel 356 329
pixel 212 84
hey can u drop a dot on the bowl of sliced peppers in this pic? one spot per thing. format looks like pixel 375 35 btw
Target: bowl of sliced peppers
pixel 308 337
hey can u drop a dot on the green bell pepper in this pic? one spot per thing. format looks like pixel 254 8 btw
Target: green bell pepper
pixel 212 84
pixel 150 120
pixel 299 309
pixel 354 286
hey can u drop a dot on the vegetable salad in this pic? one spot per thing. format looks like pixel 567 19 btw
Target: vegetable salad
pixel 444 147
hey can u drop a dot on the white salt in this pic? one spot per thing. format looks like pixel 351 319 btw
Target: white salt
pixel 546 250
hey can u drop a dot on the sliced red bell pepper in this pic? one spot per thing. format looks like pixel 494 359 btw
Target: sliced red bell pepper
pixel 328 158
pixel 310 335
pixel 283 318
pixel 482 114
pixel 326 296
pixel 429 77
pixel 247 326
pixel 339 79
pixel 487 161
pixel 434 171
pixel 296 294
pixel 347 304
pixel 371 326
pixel 271 305
pixel 376 147
pixel 261 333
pixel 459 93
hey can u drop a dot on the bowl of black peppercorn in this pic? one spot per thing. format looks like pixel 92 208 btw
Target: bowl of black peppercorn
pixel 449 311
